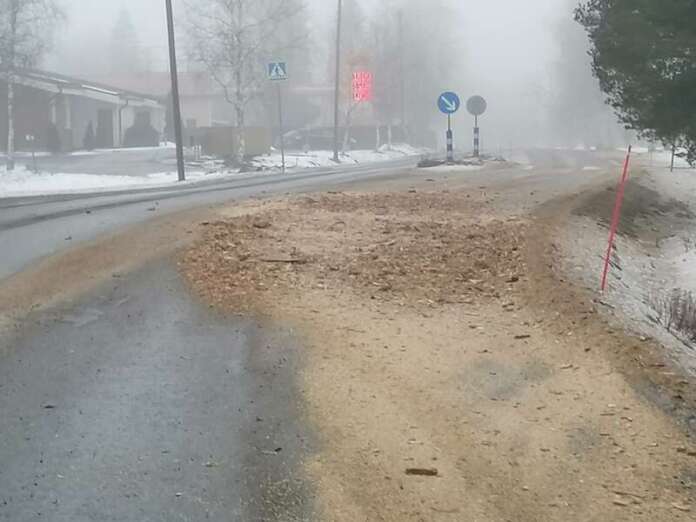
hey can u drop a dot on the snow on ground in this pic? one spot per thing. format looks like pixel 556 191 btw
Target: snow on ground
pixel 646 270
pixel 26 155
pixel 659 158
pixel 97 152
pixel 454 168
pixel 642 277
pixel 324 158
pixel 23 182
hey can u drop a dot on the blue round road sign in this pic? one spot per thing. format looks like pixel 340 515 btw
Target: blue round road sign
pixel 449 102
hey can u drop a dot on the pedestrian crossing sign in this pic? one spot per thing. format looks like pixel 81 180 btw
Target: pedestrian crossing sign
pixel 277 71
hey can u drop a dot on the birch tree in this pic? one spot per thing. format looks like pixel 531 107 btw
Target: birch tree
pixel 235 39
pixel 26 27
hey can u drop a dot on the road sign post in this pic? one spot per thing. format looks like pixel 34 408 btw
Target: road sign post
pixel 450 140
pixel 449 103
pixel 476 106
pixel 278 72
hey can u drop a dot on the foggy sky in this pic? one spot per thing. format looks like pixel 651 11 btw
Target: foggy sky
pixel 507 45
pixel 500 36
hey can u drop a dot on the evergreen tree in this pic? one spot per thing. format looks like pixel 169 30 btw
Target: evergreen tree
pixel 643 54
pixel 125 56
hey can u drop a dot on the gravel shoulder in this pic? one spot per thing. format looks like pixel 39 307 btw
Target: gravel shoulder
pixel 450 372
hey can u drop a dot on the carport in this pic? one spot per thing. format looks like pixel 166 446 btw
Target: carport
pixel 47 102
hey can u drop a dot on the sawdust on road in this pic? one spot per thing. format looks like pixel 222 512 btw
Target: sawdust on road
pixel 449 372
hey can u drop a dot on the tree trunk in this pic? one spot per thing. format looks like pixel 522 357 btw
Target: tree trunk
pixel 239 88
pixel 348 123
pixel 241 138
pixel 10 123
pixel 13 15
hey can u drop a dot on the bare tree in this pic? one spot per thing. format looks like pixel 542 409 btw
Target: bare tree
pixel 235 39
pixel 355 57
pixel 387 43
pixel 25 33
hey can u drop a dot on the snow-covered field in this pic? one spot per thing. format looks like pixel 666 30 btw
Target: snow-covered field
pixel 24 182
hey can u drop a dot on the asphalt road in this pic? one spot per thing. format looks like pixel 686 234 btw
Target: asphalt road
pixel 34 228
pixel 136 402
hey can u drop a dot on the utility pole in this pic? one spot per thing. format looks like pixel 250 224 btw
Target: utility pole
pixel 337 93
pixel 175 93
pixel 402 79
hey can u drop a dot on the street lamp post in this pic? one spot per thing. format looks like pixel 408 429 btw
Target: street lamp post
pixel 338 79
pixel 175 94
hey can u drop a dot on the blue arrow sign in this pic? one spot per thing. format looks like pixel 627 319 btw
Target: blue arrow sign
pixel 449 102
pixel 277 71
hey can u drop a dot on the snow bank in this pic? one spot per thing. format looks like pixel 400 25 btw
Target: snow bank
pixel 455 168
pixel 22 182
pixel 659 158
pixel 97 152
pixel 643 270
pixel 324 158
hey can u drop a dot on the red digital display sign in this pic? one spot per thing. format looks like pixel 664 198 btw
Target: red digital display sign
pixel 362 86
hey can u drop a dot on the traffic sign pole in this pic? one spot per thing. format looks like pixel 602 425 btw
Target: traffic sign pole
pixel 450 140
pixel 476 105
pixel 449 103
pixel 280 119
pixel 278 72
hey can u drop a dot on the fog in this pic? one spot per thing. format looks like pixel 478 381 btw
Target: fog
pixel 528 59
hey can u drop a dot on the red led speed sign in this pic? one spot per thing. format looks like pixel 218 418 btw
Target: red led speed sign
pixel 362 86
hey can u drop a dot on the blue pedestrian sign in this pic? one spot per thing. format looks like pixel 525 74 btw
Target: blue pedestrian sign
pixel 277 71
pixel 449 102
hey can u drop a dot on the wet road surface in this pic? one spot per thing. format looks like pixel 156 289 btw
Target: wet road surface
pixel 138 403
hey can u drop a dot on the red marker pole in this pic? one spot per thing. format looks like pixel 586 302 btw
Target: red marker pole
pixel 616 217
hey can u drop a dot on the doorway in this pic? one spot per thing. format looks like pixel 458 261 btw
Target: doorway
pixel 105 129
